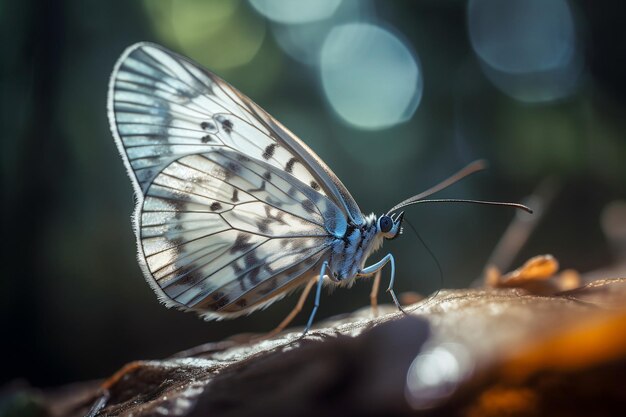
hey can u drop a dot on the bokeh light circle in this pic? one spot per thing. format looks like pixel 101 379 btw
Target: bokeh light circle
pixel 528 48
pixel 295 12
pixel 436 373
pixel 304 41
pixel 520 36
pixel 218 35
pixel 370 77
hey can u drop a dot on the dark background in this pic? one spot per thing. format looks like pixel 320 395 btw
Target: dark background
pixel 74 304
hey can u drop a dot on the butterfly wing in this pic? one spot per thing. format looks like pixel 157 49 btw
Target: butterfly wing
pixel 224 234
pixel 162 105
pixel 233 210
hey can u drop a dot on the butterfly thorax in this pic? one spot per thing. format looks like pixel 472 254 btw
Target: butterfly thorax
pixel 350 251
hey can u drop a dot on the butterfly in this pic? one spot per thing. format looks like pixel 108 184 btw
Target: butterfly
pixel 233 211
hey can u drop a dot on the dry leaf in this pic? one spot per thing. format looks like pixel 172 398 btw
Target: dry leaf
pixel 538 275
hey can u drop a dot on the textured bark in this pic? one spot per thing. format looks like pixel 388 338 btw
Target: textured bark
pixel 467 352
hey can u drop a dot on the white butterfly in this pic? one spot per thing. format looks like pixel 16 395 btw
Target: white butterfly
pixel 233 210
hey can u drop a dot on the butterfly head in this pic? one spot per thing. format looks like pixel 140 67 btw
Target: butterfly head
pixel 390 225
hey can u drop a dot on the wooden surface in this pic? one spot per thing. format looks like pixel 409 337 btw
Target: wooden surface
pixel 472 352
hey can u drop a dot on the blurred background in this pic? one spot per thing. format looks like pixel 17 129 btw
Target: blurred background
pixel 394 96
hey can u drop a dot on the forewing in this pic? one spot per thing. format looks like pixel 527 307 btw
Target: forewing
pixel 224 234
pixel 163 106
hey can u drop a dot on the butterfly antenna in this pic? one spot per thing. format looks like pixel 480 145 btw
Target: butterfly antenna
pixel 432 255
pixel 473 167
pixel 468 170
pixel 461 200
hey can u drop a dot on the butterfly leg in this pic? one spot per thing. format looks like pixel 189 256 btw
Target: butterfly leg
pixel 377 267
pixel 295 310
pixel 105 387
pixel 318 293
pixel 374 292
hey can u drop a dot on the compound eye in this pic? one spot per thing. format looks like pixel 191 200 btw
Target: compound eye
pixel 385 223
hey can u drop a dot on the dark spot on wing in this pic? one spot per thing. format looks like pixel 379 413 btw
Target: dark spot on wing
pixel 253 275
pixel 222 174
pixel 236 268
pixel 267 176
pixel 233 166
pixel 231 170
pixel 308 206
pixel 297 243
pixel 206 139
pixel 278 217
pixel 215 206
pixel 263 224
pixel 261 188
pixel 290 163
pixel 251 260
pixel 242 243
pixel 269 151
pixel 179 203
pixel 235 197
pixel 315 186
pixel 242 302
pixel 183 93
pixel 177 244
pixel 208 126
pixel 220 299
pixel 188 275
pixel 227 125
pixel 237 272
pixel 242 158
